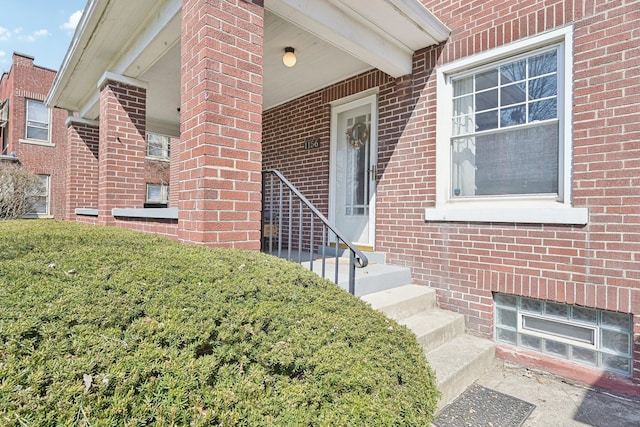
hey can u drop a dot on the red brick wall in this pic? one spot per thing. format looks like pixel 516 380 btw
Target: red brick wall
pixel 122 148
pixel 597 265
pixel 174 173
pixel 28 81
pixel 221 123
pixel 288 126
pixel 82 167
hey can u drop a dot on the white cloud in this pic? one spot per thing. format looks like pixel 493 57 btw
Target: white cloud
pixel 4 34
pixel 2 53
pixel 35 35
pixel 18 30
pixel 73 20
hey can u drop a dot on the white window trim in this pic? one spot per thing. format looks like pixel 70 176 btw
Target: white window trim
pixel 512 209
pixel 47 214
pixel 25 140
pixel 159 158
pixel 36 142
pixel 164 193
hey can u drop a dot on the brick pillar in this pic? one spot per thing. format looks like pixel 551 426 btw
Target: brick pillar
pixel 122 145
pixel 82 165
pixel 174 173
pixel 220 153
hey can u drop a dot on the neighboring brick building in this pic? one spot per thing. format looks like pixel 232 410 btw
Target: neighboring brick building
pixel 494 150
pixel 31 133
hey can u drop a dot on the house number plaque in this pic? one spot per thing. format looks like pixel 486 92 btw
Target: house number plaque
pixel 310 144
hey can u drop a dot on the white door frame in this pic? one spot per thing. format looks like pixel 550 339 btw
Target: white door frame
pixel 370 99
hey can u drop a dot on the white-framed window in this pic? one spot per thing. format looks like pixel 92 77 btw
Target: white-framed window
pixel 41 206
pixel 588 336
pixel 504 134
pixel 37 121
pixel 158 146
pixel 158 193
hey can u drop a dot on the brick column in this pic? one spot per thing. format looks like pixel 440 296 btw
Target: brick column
pixel 220 153
pixel 82 165
pixel 122 145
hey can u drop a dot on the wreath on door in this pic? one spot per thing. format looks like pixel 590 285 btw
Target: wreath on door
pixel 358 135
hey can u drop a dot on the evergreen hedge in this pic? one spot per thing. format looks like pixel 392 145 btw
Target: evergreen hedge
pixel 103 326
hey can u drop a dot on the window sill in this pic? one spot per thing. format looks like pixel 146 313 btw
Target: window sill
pixel 510 214
pixel 36 142
pixel 157 213
pixel 87 212
pixel 37 216
pixel 157 159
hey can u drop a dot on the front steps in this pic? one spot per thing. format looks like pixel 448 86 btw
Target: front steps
pixel 458 359
pixel 375 277
pixel 370 279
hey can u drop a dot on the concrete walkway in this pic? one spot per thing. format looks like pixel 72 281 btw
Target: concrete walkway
pixel 560 402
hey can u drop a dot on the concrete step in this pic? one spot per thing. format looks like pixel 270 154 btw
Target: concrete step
pixel 435 327
pixel 459 363
pixel 403 301
pixel 458 359
pixel 372 256
pixel 373 278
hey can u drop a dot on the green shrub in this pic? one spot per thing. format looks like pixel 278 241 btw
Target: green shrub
pixel 108 327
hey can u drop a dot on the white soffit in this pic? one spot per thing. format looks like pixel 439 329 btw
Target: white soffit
pixel 381 33
pixel 339 38
pixel 116 36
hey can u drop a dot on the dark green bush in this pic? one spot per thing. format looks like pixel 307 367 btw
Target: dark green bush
pixel 107 327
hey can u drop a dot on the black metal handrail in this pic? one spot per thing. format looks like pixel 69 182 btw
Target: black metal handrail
pixel 281 221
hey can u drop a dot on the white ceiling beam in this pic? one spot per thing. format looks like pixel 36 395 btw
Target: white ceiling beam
pixel 158 35
pixel 423 18
pixel 336 25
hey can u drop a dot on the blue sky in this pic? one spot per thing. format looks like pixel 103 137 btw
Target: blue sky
pixel 39 28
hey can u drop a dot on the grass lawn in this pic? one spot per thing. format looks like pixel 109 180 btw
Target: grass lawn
pixel 109 327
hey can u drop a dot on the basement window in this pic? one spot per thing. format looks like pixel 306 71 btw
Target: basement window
pixel 588 336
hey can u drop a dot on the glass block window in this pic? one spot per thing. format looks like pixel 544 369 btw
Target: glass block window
pixel 588 336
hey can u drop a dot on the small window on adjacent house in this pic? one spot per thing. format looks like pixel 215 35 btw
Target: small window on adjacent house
pixel 157 193
pixel 158 146
pixel 41 206
pixel 37 120
pixel 588 336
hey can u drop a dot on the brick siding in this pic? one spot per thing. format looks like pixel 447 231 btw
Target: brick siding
pixel 122 148
pixel 28 81
pixel 220 147
pixel 596 265
pixel 82 167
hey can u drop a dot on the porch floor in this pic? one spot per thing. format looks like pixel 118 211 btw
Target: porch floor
pixel 376 276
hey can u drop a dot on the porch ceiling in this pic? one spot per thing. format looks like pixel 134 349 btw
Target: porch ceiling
pixel 333 40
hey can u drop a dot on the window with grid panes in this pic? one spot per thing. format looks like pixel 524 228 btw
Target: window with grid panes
pixel 505 128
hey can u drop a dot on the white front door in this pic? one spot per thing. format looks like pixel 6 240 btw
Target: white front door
pixel 354 155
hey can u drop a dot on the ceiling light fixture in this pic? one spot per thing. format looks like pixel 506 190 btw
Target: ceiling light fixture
pixel 289 58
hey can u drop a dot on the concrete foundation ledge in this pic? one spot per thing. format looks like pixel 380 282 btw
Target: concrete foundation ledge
pixel 87 211
pixel 159 213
